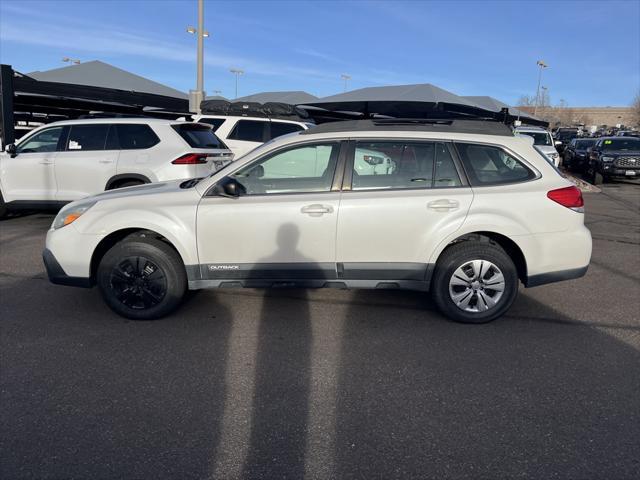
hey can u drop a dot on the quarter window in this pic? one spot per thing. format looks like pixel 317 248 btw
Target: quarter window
pixel 303 169
pixel 488 165
pixel 399 165
pixel 136 136
pixel 45 141
pixel 249 131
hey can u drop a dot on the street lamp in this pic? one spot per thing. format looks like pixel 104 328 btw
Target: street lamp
pixel 237 72
pixel 196 96
pixel 217 92
pixel 71 60
pixel 542 66
pixel 346 78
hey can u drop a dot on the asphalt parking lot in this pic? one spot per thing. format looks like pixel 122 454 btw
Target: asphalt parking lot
pixel 327 383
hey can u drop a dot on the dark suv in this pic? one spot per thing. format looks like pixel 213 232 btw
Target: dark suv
pixel 576 155
pixel 614 157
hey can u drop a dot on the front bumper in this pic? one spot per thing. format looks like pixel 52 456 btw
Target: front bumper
pixel 57 274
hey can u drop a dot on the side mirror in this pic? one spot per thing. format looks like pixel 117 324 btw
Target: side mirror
pixel 229 187
pixel 557 142
pixel 11 149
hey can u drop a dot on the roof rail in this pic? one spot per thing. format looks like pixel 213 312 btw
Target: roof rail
pixel 477 126
pixel 112 115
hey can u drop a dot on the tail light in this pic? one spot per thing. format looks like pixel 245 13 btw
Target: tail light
pixel 570 197
pixel 191 159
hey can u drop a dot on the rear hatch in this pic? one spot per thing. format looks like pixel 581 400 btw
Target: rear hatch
pixel 205 148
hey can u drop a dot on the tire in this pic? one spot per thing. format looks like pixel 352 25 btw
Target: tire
pixel 598 179
pixel 142 278
pixel 3 207
pixel 460 259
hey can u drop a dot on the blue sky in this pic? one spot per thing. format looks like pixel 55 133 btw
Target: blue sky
pixel 467 47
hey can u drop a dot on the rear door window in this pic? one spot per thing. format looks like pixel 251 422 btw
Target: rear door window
pixel 283 128
pixel 198 136
pixel 400 165
pixel 136 136
pixel 249 131
pixel 87 137
pixel 490 165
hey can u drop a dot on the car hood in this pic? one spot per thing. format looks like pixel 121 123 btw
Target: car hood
pixel 620 153
pixel 138 190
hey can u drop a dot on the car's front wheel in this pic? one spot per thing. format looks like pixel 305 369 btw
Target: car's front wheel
pixel 474 282
pixel 142 278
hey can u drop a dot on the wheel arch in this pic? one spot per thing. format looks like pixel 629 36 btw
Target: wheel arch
pixel 509 245
pixel 117 236
pixel 123 177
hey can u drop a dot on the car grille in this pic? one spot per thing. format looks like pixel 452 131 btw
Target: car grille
pixel 628 162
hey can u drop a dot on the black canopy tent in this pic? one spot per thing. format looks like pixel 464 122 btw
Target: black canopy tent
pixel 404 101
pixel 26 99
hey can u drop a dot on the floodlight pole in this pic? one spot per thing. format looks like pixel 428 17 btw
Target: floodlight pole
pixel 346 78
pixel 542 66
pixel 237 72
pixel 200 80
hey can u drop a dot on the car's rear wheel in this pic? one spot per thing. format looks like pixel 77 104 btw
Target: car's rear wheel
pixel 142 278
pixel 474 282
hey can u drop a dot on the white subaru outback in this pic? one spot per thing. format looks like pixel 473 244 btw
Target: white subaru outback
pixel 463 208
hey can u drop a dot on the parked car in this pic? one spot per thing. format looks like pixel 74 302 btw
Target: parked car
pixel 65 161
pixel 576 154
pixel 468 211
pixel 243 134
pixel 564 135
pixel 542 140
pixel 614 158
pixel 628 133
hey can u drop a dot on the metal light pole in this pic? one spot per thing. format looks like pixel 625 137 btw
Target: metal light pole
pixel 542 66
pixel 346 78
pixel 237 72
pixel 196 96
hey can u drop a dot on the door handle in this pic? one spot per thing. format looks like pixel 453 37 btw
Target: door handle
pixel 46 162
pixel 105 161
pixel 443 205
pixel 317 210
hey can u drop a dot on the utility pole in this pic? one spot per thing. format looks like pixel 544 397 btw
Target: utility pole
pixel 346 78
pixel 196 96
pixel 542 66
pixel 237 72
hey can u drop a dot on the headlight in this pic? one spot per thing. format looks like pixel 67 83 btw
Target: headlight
pixel 607 159
pixel 70 214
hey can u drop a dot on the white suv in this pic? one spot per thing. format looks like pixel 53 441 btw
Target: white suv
pixel 543 141
pixel 69 160
pixel 464 209
pixel 243 134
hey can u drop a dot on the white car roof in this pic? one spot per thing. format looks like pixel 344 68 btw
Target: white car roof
pixel 141 120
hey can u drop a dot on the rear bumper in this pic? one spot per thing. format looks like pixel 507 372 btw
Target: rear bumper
pixel 559 276
pixel 57 274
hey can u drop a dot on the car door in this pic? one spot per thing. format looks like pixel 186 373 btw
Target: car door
pixel 29 174
pixel 83 167
pixel 247 135
pixel 400 199
pixel 283 228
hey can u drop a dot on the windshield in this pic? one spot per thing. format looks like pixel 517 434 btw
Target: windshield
pixel 539 138
pixel 584 144
pixel 622 144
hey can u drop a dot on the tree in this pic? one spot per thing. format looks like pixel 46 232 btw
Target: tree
pixel 526 101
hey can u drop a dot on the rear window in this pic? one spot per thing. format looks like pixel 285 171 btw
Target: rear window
pixel 281 128
pixel 198 136
pixel 134 136
pixel 249 131
pixel 489 165
pixel 214 122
